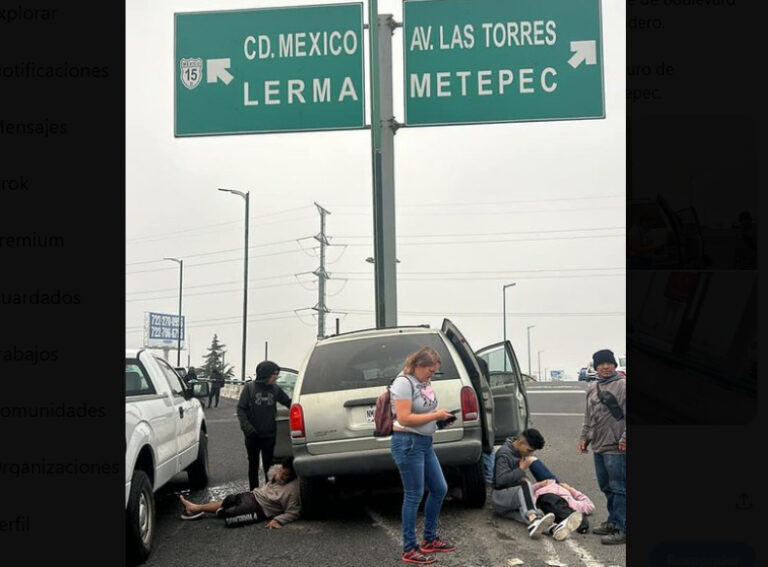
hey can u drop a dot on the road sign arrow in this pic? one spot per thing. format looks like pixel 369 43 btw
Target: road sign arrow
pixel 584 51
pixel 217 69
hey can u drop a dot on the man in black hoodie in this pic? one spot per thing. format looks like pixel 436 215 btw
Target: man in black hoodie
pixel 256 412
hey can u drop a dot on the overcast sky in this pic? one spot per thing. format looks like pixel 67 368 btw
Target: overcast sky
pixel 541 204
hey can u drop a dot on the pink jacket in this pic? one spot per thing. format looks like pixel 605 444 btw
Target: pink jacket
pixel 577 501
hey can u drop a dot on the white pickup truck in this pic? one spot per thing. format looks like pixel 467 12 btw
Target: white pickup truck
pixel 165 433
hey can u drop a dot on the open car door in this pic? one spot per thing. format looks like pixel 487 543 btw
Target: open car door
pixel 479 380
pixel 510 400
pixel 283 448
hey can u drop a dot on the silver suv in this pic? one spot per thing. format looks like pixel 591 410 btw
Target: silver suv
pixel 331 417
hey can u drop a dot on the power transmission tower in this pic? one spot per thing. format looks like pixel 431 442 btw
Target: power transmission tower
pixel 321 274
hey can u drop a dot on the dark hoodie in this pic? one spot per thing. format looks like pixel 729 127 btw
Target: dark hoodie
pixel 257 408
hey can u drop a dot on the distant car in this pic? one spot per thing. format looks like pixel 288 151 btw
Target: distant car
pixel 583 374
pixel 591 373
pixel 180 370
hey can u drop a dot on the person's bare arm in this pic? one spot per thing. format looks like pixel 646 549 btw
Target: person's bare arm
pixel 407 418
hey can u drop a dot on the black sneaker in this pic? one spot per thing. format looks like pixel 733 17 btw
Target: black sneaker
pixel 616 538
pixel 606 528
pixel 540 525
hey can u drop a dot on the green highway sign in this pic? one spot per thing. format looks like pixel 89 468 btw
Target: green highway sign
pixel 269 70
pixel 479 61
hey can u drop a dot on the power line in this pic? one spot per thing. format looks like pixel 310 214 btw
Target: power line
pixel 226 251
pixel 493 314
pixel 218 292
pixel 494 241
pixel 453 234
pixel 480 204
pixel 234 318
pixel 574 276
pixel 367 272
pixel 499 271
pixel 215 262
pixel 466 212
pixel 214 225
pixel 160 290
pixel 251 319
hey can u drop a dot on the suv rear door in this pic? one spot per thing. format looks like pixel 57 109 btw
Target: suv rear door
pixel 479 382
pixel 509 397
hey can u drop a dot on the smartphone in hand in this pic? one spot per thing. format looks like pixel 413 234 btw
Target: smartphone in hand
pixel 446 422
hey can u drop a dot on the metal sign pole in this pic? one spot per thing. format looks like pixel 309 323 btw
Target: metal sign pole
pixel 383 127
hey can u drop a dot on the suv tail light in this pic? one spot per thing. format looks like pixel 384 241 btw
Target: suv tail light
pixel 297 421
pixel 468 404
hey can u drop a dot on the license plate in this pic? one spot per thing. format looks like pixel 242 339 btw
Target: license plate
pixel 369 413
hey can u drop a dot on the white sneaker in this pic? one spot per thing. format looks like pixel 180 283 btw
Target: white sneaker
pixel 540 525
pixel 566 527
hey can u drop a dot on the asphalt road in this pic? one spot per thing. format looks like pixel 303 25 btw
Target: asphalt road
pixel 363 527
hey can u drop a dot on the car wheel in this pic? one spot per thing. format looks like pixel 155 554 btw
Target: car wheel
pixel 198 471
pixel 473 485
pixel 140 518
pixel 314 497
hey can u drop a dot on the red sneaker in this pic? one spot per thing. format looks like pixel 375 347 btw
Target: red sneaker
pixel 437 545
pixel 416 556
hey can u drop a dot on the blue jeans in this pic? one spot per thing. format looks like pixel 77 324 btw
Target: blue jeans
pixel 418 465
pixel 612 478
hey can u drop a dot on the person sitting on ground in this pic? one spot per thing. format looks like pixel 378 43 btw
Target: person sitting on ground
pixel 277 501
pixel 512 495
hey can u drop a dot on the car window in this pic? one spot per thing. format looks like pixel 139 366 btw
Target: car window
pixel 174 381
pixel 502 371
pixel 136 381
pixel 369 362
pixel 622 361
pixel 287 382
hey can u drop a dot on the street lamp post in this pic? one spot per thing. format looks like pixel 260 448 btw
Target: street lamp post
pixel 504 318
pixel 528 330
pixel 181 280
pixel 540 377
pixel 245 196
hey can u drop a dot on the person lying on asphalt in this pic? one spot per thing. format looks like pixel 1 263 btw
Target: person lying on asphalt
pixel 277 501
